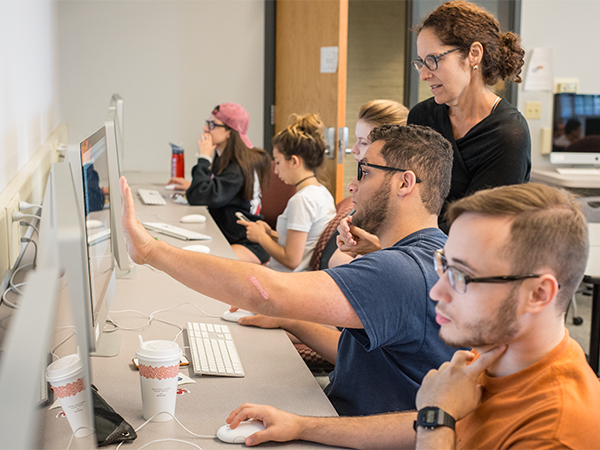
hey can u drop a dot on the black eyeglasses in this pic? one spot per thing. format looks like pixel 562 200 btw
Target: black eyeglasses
pixel 212 124
pixel 360 171
pixel 431 61
pixel 459 279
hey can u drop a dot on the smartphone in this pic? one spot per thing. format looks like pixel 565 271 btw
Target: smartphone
pixel 182 362
pixel 240 216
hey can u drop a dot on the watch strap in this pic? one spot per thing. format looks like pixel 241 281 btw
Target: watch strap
pixel 433 417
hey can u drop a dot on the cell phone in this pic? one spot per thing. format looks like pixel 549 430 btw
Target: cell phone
pixel 182 362
pixel 240 216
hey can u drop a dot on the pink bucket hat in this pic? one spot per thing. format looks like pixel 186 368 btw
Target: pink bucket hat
pixel 236 118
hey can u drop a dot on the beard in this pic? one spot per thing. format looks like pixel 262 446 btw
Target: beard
pixel 490 331
pixel 372 216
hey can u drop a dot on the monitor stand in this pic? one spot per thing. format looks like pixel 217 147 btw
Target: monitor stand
pixel 109 345
pixel 128 274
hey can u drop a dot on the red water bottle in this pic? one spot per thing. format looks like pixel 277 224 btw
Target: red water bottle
pixel 177 161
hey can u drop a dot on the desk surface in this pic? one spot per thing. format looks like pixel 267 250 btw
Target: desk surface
pixel 549 175
pixel 275 373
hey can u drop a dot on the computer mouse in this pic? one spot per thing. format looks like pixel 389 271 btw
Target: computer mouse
pixel 170 187
pixel 90 224
pixel 197 248
pixel 240 433
pixel 235 316
pixel 193 218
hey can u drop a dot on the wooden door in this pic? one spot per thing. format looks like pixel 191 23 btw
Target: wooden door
pixel 303 27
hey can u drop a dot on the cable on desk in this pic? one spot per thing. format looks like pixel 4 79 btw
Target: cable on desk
pixel 73 333
pixel 11 282
pixel 163 440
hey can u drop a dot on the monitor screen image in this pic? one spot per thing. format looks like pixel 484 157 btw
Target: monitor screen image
pixel 576 129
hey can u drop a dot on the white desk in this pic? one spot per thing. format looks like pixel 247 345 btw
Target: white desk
pixel 275 373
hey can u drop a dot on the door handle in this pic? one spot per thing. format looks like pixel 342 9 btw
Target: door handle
pixel 329 137
pixel 342 143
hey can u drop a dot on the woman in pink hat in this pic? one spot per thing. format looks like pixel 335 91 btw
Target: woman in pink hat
pixel 229 176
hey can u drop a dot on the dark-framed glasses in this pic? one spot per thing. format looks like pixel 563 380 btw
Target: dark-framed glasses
pixel 361 164
pixel 430 61
pixel 459 279
pixel 212 124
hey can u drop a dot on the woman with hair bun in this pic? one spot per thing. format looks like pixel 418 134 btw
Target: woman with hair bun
pixel 462 52
pixel 298 152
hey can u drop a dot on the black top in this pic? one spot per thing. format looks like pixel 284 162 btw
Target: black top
pixel 223 195
pixel 495 152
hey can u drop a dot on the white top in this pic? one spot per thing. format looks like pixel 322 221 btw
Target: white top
pixel 309 210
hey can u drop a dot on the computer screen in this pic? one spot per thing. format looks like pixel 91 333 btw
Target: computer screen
pixel 113 148
pixel 576 129
pixel 98 220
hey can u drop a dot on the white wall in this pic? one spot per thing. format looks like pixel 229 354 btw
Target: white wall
pixel 29 106
pixel 570 29
pixel 171 61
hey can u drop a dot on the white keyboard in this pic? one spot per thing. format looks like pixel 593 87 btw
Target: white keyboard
pixel 176 232
pixel 577 171
pixel 213 350
pixel 151 197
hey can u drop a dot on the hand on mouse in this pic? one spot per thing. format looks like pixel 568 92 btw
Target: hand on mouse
pixel 181 184
pixel 139 242
pixel 280 426
pixel 355 241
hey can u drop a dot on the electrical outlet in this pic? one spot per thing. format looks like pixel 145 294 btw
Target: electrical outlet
pixel 562 85
pixel 533 110
pixel 14 232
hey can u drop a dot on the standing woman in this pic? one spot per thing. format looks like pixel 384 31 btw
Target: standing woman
pixel 229 176
pixel 461 53
pixel 298 152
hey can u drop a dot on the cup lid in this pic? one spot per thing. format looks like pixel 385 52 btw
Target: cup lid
pixel 159 350
pixel 63 367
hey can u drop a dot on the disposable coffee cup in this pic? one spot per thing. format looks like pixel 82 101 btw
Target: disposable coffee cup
pixel 67 380
pixel 159 368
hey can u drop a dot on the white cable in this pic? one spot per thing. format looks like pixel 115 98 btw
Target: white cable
pixel 169 440
pixel 16 216
pixel 27 224
pixel 12 278
pixel 74 432
pixel 4 300
pixel 73 333
pixel 25 205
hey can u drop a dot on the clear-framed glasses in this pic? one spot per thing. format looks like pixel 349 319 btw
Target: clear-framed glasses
pixel 360 170
pixel 430 61
pixel 459 279
pixel 212 124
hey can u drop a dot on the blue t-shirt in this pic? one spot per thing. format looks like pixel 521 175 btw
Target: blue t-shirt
pixel 379 368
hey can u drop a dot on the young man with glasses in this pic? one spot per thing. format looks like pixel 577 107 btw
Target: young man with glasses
pixel 390 338
pixel 514 257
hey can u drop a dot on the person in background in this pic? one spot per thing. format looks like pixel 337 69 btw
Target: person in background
pixel 298 152
pixel 372 114
pixel 229 176
pixel 514 257
pixel 461 53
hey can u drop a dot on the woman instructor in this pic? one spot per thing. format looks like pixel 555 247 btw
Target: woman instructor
pixel 461 53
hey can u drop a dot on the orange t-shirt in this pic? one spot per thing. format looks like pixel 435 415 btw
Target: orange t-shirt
pixel 554 403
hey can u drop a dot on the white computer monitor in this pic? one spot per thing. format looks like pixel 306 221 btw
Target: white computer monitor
pixel 93 242
pixel 117 103
pixel 576 129
pixel 126 268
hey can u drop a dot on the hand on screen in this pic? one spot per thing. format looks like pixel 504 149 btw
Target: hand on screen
pixel 280 426
pixel 139 242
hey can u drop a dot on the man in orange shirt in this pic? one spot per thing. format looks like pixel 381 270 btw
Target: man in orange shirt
pixel 513 259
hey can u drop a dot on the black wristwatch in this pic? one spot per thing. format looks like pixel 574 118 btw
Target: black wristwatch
pixel 432 417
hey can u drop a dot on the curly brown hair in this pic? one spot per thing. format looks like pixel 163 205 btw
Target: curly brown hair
pixel 303 138
pixel 459 24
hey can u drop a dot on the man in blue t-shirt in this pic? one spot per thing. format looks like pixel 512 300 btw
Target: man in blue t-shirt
pixel 389 338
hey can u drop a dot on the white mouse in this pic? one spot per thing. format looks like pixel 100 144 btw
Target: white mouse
pixel 90 224
pixel 170 187
pixel 193 218
pixel 241 432
pixel 235 316
pixel 197 248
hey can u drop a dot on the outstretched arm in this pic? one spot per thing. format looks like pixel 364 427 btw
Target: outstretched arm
pixel 311 296
pixel 370 432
